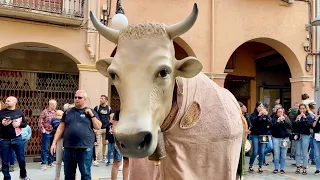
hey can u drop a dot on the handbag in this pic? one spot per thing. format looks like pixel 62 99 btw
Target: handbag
pixel 285 143
pixel 263 139
pixel 296 137
pixel 317 136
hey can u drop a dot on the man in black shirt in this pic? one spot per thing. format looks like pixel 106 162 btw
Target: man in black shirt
pixel 77 126
pixel 116 164
pixel 12 120
pixel 104 111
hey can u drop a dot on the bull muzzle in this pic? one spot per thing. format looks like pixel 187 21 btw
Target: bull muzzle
pixel 136 145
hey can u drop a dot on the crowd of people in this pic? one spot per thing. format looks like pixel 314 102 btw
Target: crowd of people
pixel 298 129
pixel 74 137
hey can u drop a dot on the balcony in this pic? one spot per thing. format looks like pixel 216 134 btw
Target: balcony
pixel 59 12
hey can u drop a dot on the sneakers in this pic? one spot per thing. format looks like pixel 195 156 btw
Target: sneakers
pixel 95 163
pixel 317 173
pixel 51 165
pixel 26 178
pixel 313 163
pixel 43 167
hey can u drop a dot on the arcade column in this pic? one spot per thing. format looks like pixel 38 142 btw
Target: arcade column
pixel 218 78
pixel 93 83
pixel 299 86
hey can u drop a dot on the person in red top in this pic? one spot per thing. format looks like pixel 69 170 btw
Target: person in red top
pixel 46 130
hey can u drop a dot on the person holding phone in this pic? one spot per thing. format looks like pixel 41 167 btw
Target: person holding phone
pixel 281 131
pixel 316 143
pixel 12 120
pixel 301 134
pixel 261 128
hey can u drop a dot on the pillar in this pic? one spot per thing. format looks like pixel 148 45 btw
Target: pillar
pixel 218 78
pixel 93 83
pixel 299 86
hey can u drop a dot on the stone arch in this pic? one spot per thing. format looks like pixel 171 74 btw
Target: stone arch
pixel 51 47
pixel 289 56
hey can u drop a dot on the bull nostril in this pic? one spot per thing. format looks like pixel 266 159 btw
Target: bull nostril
pixel 122 145
pixel 146 141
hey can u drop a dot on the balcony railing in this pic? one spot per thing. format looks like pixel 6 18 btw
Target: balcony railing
pixel 66 12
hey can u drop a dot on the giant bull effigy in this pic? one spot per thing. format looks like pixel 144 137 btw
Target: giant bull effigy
pixel 170 111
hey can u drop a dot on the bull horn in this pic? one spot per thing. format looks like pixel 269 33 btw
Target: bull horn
pixel 180 28
pixel 109 33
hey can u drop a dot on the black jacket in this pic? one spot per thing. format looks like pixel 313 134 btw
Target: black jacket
pixel 281 129
pixel 303 126
pixel 261 125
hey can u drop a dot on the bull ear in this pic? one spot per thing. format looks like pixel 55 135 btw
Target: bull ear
pixel 188 67
pixel 103 64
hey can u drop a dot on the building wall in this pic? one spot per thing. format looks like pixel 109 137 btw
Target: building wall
pixel 222 26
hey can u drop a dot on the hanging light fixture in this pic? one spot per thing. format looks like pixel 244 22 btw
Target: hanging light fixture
pixel 119 20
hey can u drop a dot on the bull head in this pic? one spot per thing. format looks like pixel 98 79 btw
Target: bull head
pixel 144 72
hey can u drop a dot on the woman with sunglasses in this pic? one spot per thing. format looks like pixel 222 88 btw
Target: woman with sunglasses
pixel 281 131
pixel 261 128
pixel 301 124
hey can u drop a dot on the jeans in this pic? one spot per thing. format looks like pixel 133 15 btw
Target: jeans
pixel 12 156
pixel 257 147
pixel 17 145
pixel 25 144
pixel 111 149
pixel 317 153
pixel 280 153
pixel 302 150
pixel 81 157
pixel 312 155
pixel 46 141
pixel 268 149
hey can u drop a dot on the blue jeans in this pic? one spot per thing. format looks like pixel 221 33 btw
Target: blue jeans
pixel 46 141
pixel 25 144
pixel 280 153
pixel 17 145
pixel 12 156
pixel 116 154
pixel 257 147
pixel 81 157
pixel 317 153
pixel 110 150
pixel 268 149
pixel 312 155
pixel 302 150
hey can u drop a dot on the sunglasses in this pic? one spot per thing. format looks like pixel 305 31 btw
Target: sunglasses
pixel 78 97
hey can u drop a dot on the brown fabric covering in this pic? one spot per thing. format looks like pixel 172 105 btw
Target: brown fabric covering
pixel 208 150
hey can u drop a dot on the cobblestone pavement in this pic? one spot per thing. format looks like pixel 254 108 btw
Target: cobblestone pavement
pixel 290 172
pixel 102 172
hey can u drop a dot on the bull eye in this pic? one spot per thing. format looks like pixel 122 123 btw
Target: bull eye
pixel 113 75
pixel 163 73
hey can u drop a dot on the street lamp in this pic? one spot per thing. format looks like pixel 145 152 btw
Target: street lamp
pixel 119 20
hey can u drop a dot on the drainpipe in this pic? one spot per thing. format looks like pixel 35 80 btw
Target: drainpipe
pixel 317 71
pixel 88 45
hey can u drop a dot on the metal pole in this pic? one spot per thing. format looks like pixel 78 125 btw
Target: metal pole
pixel 317 95
pixel 119 7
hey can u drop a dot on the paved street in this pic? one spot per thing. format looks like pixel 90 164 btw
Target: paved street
pixel 290 172
pixel 103 172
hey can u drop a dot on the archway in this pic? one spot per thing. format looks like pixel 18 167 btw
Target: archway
pixel 180 53
pixel 258 72
pixel 36 73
